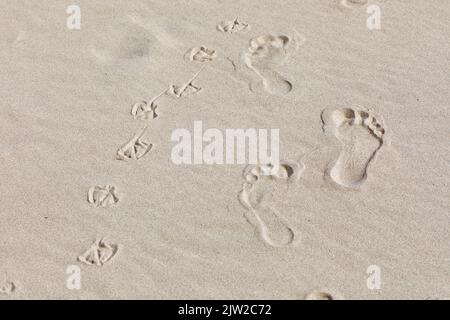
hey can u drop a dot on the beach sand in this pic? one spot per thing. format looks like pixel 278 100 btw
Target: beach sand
pixel 89 189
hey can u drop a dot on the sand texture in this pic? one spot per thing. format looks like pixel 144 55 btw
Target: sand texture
pixel 88 184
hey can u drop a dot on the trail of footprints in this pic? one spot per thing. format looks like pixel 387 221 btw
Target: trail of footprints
pixel 359 131
pixel 361 134
pixel 101 251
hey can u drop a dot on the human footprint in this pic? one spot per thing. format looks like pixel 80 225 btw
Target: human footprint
pixel 361 135
pixel 272 227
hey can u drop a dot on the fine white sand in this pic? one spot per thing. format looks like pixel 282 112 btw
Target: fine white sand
pixel 363 118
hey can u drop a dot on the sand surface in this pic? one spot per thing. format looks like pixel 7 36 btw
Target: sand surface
pixel 363 117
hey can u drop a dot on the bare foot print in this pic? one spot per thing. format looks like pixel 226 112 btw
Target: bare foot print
pixel 134 149
pixel 361 135
pixel 272 227
pixel 323 294
pixel 99 253
pixel 186 89
pixel 287 171
pixel 272 82
pixel 100 196
pixel 232 26
pixel 264 54
pixel 200 54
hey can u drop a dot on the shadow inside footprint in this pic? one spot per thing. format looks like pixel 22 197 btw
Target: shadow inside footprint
pixel 272 227
pixel 361 136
